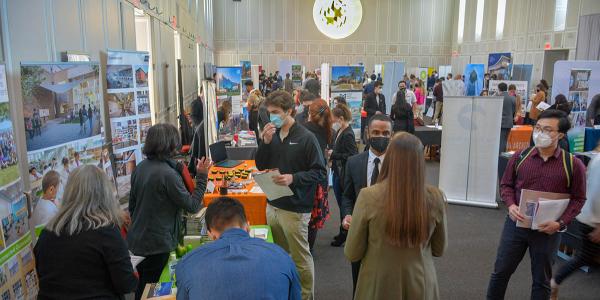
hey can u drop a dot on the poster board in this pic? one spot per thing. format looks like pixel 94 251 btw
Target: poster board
pixel 470 139
pixel 521 90
pixel 246 70
pixel 346 82
pixel 474 74
pixel 579 81
pixel 393 73
pixel 324 74
pixel 422 73
pixel 443 71
pixel 500 65
pixel 229 87
pixel 522 72
pixel 18 279
pixel 296 76
pixel 128 107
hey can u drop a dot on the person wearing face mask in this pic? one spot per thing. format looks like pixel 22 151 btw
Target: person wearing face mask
pixel 273 272
pixel 543 168
pixel 307 98
pixel 294 151
pixel 362 171
pixel 375 102
pixel 508 115
pixel 344 147
pixel 409 95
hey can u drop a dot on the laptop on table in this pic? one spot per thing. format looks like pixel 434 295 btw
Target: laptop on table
pixel 218 152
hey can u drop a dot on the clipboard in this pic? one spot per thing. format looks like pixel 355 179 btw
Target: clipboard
pixel 272 190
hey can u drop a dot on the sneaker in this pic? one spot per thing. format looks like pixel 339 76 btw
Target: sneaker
pixel 338 243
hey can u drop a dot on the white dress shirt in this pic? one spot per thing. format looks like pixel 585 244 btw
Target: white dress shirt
pixel 44 211
pixel 371 165
pixel 590 212
pixel 411 98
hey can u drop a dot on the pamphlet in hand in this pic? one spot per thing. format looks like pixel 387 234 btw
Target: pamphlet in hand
pixel 548 211
pixel 135 260
pixel 528 205
pixel 270 188
pixel 543 106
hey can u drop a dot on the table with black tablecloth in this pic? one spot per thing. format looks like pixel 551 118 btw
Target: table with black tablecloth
pixel 429 135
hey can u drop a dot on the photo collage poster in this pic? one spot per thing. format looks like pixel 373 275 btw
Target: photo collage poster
pixel 297 75
pixel 18 279
pixel 128 99
pixel 522 87
pixel 500 65
pixel 229 93
pixel 63 120
pixel 346 82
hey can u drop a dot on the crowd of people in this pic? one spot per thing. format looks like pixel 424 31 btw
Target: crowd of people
pixel 391 223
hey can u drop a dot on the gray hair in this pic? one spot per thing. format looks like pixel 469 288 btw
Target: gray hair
pixel 88 203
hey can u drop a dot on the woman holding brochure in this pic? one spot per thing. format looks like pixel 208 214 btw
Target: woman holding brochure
pixel 589 228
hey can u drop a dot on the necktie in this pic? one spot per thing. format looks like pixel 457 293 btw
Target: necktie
pixel 375 171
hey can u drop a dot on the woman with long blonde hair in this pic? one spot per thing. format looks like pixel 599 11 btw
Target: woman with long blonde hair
pixel 398 226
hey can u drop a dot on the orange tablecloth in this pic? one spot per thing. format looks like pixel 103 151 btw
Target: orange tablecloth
pixel 519 138
pixel 255 205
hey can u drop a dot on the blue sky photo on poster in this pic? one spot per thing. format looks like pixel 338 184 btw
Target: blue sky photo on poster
pixel 474 79
pixel 228 81
pixel 246 70
pixel 499 64
pixel 346 78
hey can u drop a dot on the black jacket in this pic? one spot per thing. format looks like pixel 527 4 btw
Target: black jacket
pixel 320 134
pixel 403 118
pixel 371 105
pixel 343 148
pixel 298 154
pixel 156 201
pixel 355 179
pixel 92 264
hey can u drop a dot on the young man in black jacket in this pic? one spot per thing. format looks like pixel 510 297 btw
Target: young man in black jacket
pixel 293 150
pixel 375 102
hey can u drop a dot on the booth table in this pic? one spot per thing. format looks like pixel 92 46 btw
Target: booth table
pixel 255 205
pixel 429 135
pixel 519 138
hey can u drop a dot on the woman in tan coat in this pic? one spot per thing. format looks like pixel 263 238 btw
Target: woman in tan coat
pixel 398 226
pixel 540 96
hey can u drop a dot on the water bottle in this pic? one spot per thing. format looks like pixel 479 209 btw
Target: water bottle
pixel 437 126
pixel 172 265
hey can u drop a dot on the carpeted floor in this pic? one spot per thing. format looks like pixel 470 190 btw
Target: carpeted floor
pixel 463 272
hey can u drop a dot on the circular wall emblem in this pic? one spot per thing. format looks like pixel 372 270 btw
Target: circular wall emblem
pixel 337 19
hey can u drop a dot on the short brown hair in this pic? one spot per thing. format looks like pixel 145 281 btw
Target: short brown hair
pixel 512 87
pixel 281 99
pixel 224 211
pixel 51 178
pixel 342 111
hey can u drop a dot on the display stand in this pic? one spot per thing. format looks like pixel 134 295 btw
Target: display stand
pixel 325 81
pixel 211 131
pixel 393 72
pixel 470 139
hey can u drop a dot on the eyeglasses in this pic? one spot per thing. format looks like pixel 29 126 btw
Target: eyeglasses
pixel 546 130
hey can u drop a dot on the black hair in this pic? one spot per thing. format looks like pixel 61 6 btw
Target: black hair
pixel 380 117
pixel 502 87
pixel 373 77
pixel 378 84
pixel 248 83
pixel 224 211
pixel 560 99
pixel 563 121
pixel 439 79
pixel 306 95
pixel 162 141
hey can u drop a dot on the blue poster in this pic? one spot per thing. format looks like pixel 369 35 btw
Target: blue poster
pixel 246 70
pixel 474 79
pixel 522 73
pixel 346 78
pixel 499 64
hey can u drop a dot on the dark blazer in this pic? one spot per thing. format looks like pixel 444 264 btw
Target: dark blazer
pixel 355 179
pixel 403 118
pixel 343 148
pixel 371 105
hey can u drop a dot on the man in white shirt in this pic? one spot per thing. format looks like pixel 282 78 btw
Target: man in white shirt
pixel 410 95
pixel 47 206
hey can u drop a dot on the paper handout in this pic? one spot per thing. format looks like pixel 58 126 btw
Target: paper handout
pixel 547 211
pixel 135 260
pixel 528 204
pixel 272 190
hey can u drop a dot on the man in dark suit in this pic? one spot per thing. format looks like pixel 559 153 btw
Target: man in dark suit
pixel 362 171
pixel 508 115
pixel 375 102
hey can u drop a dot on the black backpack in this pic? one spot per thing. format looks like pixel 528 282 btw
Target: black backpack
pixel 567 159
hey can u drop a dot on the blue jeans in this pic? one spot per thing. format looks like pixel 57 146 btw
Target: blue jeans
pixel 513 244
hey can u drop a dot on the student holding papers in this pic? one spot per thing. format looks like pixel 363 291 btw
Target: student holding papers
pixel 544 168
pixel 294 151
pixel 589 228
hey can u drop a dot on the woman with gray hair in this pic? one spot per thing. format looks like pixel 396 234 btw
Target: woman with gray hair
pixel 157 199
pixel 81 254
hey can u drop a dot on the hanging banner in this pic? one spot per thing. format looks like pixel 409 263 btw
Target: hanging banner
pixel 500 65
pixel 18 279
pixel 522 73
pixel 229 82
pixel 297 75
pixel 346 82
pixel 128 100
pixel 474 74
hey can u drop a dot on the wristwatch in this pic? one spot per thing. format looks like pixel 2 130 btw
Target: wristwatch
pixel 563 226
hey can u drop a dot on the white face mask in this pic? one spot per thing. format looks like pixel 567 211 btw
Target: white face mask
pixel 541 140
pixel 336 126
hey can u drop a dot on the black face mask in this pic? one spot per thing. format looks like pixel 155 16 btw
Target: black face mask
pixel 379 143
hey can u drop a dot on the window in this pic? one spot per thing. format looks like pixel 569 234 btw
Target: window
pixel 461 21
pixel 500 19
pixel 479 20
pixel 560 15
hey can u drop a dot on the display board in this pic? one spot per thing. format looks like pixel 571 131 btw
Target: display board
pixel 296 75
pixel 521 90
pixel 393 72
pixel 229 87
pixel 346 82
pixel 579 81
pixel 522 73
pixel 443 71
pixel 246 70
pixel 470 139
pixel 422 73
pixel 285 66
pixel 211 127
pixel 500 65
pixel 18 279
pixel 324 73
pixel 128 102
pixel 474 75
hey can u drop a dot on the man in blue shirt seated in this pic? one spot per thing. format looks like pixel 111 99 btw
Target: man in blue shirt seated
pixel 235 266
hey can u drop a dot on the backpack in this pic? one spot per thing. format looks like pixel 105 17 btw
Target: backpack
pixel 567 159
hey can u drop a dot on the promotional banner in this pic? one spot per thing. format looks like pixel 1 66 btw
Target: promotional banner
pixel 474 75
pixel 128 101
pixel 522 73
pixel 229 83
pixel 579 81
pixel 297 75
pixel 346 82
pixel 393 73
pixel 422 73
pixel 246 70
pixel 500 64
pixel 444 71
pixel 354 100
pixel 18 278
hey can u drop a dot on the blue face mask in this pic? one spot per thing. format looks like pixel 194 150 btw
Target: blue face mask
pixel 276 120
